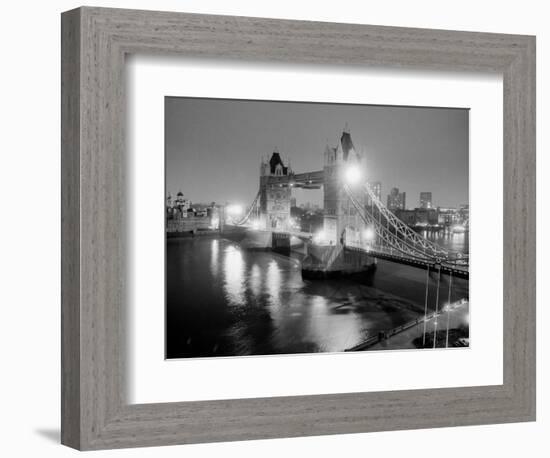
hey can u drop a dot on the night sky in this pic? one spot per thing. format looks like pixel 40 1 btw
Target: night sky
pixel 214 146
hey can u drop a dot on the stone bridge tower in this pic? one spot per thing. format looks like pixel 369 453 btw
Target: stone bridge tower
pixel 341 220
pixel 275 194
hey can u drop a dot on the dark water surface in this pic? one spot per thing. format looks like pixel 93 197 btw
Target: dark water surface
pixel 223 300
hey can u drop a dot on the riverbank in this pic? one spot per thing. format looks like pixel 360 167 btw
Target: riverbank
pixel 417 335
pixel 193 233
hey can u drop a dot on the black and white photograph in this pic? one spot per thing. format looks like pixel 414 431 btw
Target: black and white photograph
pixel 296 227
pixel 275 229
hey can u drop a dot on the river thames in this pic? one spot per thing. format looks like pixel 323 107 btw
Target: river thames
pixel 224 300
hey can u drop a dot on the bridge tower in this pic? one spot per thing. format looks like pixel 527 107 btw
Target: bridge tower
pixel 341 164
pixel 275 194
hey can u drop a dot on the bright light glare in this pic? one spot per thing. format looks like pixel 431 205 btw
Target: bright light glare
pixel 353 174
pixel 255 225
pixel 369 234
pixel 319 237
pixel 234 210
pixel 458 228
pixel 294 223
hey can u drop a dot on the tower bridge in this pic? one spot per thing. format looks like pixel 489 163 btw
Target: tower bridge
pixel 357 228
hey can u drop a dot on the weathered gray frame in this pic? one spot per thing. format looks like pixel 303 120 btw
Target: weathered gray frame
pixel 95 414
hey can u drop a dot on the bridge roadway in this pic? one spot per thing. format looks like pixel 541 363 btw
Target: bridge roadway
pixel 300 235
pixel 457 270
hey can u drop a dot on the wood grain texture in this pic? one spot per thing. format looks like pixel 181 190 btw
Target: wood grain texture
pixel 95 413
pixel 70 229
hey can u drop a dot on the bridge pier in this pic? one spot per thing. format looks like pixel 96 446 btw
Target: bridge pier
pixel 280 242
pixel 333 261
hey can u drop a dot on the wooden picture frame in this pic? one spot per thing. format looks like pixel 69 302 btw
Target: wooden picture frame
pixel 95 412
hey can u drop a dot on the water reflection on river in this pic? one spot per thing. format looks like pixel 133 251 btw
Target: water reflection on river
pixel 450 240
pixel 224 300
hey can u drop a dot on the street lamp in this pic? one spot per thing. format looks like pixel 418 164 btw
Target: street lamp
pixel 319 238
pixel 369 234
pixel 234 210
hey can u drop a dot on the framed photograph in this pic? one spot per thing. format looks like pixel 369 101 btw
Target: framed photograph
pixel 317 261
pixel 277 228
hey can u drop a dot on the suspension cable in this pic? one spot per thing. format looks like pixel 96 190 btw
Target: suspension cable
pixel 406 231
pixel 426 306
pixel 252 207
pixel 395 234
pixel 390 240
pixel 437 304
pixel 449 309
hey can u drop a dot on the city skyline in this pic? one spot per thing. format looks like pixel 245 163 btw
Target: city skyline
pixel 172 195
pixel 232 136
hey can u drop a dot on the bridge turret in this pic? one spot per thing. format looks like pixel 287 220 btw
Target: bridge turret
pixel 330 155
pixel 274 193
pixel 346 143
pixel 276 164
pixel 264 168
pixel 339 216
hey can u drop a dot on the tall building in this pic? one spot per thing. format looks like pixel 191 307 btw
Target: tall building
pixel 377 189
pixel 396 200
pixel 292 202
pixel 426 200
